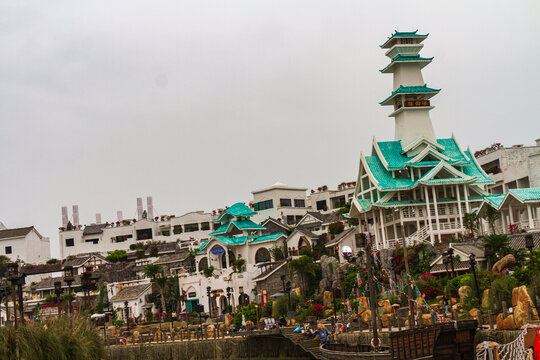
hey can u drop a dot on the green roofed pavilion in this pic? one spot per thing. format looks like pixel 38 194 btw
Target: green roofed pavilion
pixel 403 35
pixel 401 58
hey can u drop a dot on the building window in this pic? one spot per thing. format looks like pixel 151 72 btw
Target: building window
pixel 263 205
pixel 285 202
pixel 205 226
pixel 262 255
pixel 177 229
pixel 203 264
pixel 117 239
pixel 95 241
pixel 191 227
pixel 144 234
pixel 290 219
pixel 299 203
pixel 8 250
pixel 321 205
pixel 69 242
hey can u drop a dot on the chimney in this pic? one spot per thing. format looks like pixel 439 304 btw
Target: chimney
pixel 537 142
pixel 119 215
pixel 150 207
pixel 98 218
pixel 139 208
pixel 76 215
pixel 64 216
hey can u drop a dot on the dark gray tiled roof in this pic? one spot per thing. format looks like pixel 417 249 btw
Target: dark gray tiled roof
pixel 458 266
pixel 9 233
pixel 341 235
pixel 93 229
pixel 305 231
pixel 517 241
pixel 469 248
pixel 130 293
pixel 48 283
pixel 80 260
pixel 326 218
pixel 274 226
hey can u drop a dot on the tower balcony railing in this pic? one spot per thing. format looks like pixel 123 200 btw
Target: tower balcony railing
pixel 412 103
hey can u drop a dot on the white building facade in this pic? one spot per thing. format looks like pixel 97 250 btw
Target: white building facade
pixel 25 244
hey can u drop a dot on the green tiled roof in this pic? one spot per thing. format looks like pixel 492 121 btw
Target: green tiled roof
pixel 238 209
pixel 495 200
pixel 365 204
pixel 392 153
pixel 410 90
pixel 240 225
pixel 404 34
pixel 266 237
pixel 240 240
pixel 247 225
pixel 384 177
pixel 527 194
pixel 473 170
pixel 456 180
pixel 405 58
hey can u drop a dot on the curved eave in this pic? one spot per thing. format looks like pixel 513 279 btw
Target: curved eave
pixel 389 69
pixel 396 35
pixel 435 182
pixel 389 100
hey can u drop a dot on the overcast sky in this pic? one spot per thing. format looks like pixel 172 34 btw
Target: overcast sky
pixel 198 103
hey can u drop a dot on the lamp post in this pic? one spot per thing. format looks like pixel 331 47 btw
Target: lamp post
pixel 58 291
pixel 2 294
pixel 199 308
pixel 7 292
pixel 406 260
pixel 450 254
pixel 288 288
pixel 487 254
pixel 472 262
pixel 229 289
pixel 208 292
pixel 126 313
pixel 365 242
pixel 529 244
pixel 20 284
pixel 68 278
pixel 13 276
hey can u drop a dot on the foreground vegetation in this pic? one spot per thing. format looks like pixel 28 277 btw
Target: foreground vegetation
pixel 54 339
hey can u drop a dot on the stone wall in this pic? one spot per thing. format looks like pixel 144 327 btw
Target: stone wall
pixel 273 284
pixel 269 347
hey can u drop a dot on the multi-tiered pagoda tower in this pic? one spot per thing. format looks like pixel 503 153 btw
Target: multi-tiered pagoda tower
pixel 416 186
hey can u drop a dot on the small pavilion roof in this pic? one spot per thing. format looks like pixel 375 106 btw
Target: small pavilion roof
pixel 238 209
pixel 239 224
pixel 239 240
pixel 406 58
pixel 409 90
pixel 402 35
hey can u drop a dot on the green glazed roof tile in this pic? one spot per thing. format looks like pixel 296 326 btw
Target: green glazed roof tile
pixel 410 90
pixel 406 58
pixel 404 34
pixel 527 194
pixel 238 209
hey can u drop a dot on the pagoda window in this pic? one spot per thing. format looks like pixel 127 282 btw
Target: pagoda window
pixel 365 183
pixel 402 174
pixel 285 202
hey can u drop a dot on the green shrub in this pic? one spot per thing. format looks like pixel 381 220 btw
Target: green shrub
pixel 502 289
pixel 282 303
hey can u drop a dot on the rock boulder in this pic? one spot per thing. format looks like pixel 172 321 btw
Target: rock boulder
pixel 520 299
pixel 464 292
pixel 506 262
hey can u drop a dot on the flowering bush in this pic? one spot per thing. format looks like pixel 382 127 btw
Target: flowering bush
pixel 317 310
pixel 430 286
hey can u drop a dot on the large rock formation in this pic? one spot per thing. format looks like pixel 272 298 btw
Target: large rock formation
pixel 520 299
pixel 386 306
pixel 486 298
pixel 506 262
pixel 329 266
pixel 464 292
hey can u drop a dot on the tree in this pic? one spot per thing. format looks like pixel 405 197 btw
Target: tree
pixel 239 265
pixel 304 268
pixel 491 215
pixel 52 261
pixel 4 261
pixel 152 271
pixel 470 221
pixel 499 246
pixel 277 253
pixel 345 210
pixel 116 255
pixel 336 227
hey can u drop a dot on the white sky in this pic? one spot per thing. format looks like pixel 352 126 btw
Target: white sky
pixel 199 102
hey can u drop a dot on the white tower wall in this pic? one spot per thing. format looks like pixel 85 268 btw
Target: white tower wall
pixel 412 124
pixel 408 74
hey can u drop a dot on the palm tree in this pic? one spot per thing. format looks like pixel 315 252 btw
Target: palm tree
pixel 491 215
pixel 152 271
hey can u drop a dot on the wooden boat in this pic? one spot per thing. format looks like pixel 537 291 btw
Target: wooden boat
pixel 356 352
pixel 442 342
